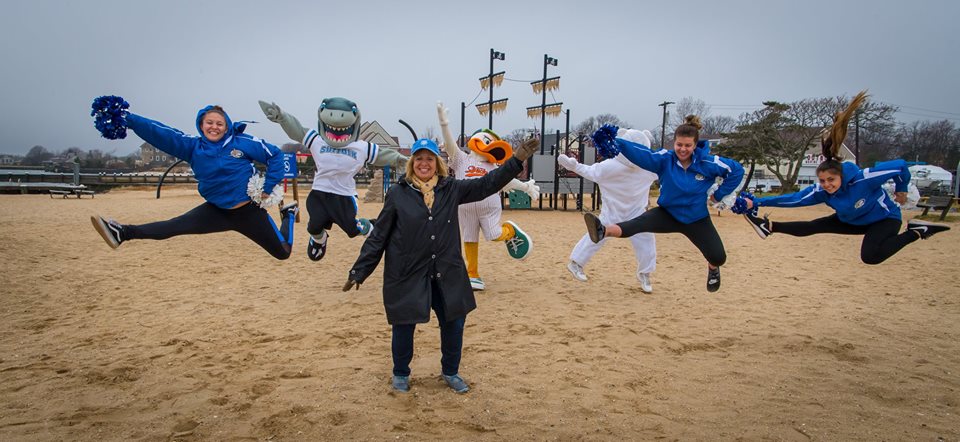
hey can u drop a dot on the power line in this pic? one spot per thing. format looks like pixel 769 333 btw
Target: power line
pixel 475 98
pixel 939 117
pixel 927 110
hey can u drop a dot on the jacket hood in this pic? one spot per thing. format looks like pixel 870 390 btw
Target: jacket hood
pixel 850 171
pixel 232 128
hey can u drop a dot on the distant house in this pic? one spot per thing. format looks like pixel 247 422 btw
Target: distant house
pixel 153 158
pixel 9 160
pixel 373 132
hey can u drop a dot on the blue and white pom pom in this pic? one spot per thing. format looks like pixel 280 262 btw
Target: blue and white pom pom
pixel 109 114
pixel 740 206
pixel 604 138
pixel 255 191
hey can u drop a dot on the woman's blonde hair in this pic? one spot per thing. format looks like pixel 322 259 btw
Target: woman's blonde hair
pixel 442 169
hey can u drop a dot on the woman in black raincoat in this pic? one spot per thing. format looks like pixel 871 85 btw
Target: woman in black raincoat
pixel 419 232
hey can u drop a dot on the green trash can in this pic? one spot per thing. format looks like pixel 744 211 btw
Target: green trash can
pixel 518 200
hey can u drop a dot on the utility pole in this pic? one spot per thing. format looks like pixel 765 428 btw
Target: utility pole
pixel 663 126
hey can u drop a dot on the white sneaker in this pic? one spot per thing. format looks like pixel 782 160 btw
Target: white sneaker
pixel 577 271
pixel 477 284
pixel 645 285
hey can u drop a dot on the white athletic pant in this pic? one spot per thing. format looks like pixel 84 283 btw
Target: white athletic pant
pixel 644 247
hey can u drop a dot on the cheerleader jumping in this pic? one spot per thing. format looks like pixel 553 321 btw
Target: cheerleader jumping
pixel 861 204
pixel 686 173
pixel 222 159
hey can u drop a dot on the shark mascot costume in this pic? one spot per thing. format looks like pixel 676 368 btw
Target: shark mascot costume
pixel 338 155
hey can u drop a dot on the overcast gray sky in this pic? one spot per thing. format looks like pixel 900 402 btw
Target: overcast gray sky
pixel 396 59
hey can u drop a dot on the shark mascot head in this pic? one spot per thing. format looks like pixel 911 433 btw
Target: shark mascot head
pixel 338 121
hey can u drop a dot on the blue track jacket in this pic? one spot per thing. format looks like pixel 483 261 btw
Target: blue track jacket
pixel 683 192
pixel 223 168
pixel 860 200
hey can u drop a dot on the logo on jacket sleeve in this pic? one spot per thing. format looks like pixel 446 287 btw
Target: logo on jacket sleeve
pixel 859 203
pixel 236 153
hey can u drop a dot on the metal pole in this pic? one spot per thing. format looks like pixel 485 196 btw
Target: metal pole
pixel 663 126
pixel 490 84
pixel 580 158
pixel 463 112
pixel 556 172
pixel 543 105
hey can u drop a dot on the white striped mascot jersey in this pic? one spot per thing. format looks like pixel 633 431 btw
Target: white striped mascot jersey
pixel 336 166
pixel 468 167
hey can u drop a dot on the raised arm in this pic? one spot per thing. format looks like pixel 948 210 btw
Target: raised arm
pixel 287 122
pixel 642 155
pixel 478 189
pixel 449 143
pixel 897 170
pixel 591 172
pixel 809 196
pixel 163 137
pixel 388 157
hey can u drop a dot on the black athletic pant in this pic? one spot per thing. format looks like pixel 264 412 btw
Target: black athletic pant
pixel 880 239
pixel 327 209
pixel 451 340
pixel 701 233
pixel 250 220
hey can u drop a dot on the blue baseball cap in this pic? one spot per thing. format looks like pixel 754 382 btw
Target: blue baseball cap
pixel 425 143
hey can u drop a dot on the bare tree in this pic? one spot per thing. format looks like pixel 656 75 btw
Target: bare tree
pixel 36 155
pixel 687 106
pixel 591 124
pixel 718 125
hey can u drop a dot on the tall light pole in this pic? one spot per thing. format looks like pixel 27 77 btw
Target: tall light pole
pixel 494 79
pixel 663 126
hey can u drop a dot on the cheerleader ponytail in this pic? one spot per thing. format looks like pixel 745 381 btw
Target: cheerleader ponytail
pixel 832 138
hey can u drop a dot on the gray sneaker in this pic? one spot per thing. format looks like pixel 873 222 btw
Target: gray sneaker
pixel 457 383
pixel 401 383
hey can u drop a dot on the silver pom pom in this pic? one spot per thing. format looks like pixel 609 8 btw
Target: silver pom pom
pixel 255 191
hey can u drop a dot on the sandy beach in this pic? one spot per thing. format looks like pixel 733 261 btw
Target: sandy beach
pixel 209 338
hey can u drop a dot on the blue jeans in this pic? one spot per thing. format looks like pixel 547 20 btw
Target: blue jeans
pixel 451 340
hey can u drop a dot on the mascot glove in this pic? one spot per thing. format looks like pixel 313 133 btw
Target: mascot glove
pixel 531 189
pixel 271 110
pixel 526 149
pixel 442 114
pixel 566 162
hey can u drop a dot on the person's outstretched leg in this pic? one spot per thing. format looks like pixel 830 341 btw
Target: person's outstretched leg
pixel 882 241
pixel 255 223
pixel 205 218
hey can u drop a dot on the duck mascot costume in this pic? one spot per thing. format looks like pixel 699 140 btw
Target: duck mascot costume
pixel 487 152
